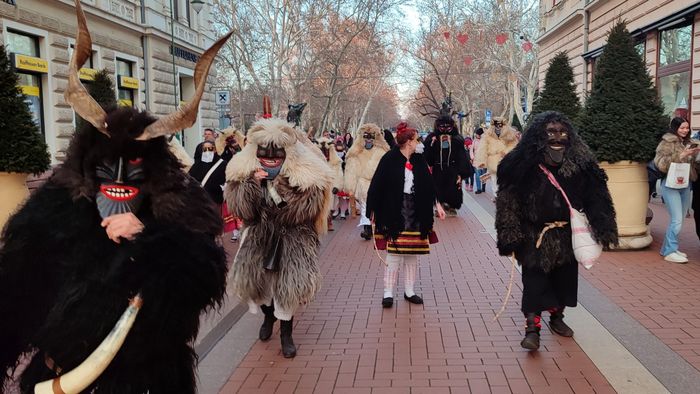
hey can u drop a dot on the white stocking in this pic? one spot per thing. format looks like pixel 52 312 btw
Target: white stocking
pixel 410 263
pixel 391 274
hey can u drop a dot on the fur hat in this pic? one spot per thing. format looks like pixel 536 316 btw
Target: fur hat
pixel 379 141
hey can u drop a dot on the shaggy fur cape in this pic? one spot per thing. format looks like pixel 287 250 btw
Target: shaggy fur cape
pixel 304 182
pixel 63 283
pixel 527 200
pixel 492 148
pixel 385 196
pixel 334 162
pixel 454 163
pixel 669 151
pixel 360 163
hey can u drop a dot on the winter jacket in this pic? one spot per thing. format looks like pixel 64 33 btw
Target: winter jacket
pixel 493 148
pixel 669 151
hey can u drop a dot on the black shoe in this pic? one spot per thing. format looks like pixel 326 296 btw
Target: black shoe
pixel 414 299
pixel 366 232
pixel 532 331
pixel 387 302
pixel 270 319
pixel 478 192
pixel 556 323
pixel 347 212
pixel 288 348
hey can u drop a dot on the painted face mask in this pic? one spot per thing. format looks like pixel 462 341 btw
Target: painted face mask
pixel 499 127
pixel 271 159
pixel 326 149
pixel 120 187
pixel 557 144
pixel 445 141
pixel 233 144
pixel 444 128
pixel 369 140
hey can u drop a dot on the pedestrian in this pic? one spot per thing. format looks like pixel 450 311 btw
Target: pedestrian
pixel 400 200
pixel 469 181
pixel 281 190
pixel 208 135
pixel 479 184
pixel 360 163
pixel 347 138
pixel 229 143
pixel 445 154
pixel 532 217
pixel 496 142
pixel 328 148
pixel 676 146
pixel 118 226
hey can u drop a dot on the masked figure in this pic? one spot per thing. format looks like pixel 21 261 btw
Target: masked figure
pixel 118 220
pixel 361 161
pixel 446 154
pixel 532 217
pixel 496 142
pixel 280 190
pixel 327 147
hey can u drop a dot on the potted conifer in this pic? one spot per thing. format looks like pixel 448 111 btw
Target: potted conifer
pixel 620 122
pixel 22 147
pixel 559 90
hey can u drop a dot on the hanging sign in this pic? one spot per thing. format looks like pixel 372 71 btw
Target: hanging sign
pixel 128 82
pixel 87 74
pixel 29 63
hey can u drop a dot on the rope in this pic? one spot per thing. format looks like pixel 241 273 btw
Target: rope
pixel 548 227
pixel 510 287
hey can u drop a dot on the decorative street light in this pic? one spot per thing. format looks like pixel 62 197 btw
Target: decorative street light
pixel 197 5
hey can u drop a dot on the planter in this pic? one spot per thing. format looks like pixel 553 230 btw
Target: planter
pixel 629 189
pixel 13 191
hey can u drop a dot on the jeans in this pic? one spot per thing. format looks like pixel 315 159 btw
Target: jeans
pixel 677 203
pixel 479 172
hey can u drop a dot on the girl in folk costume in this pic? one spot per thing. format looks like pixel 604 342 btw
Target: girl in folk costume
pixel 676 146
pixel 327 147
pixel 495 143
pixel 532 217
pixel 341 201
pixel 280 189
pixel 400 199
pixel 229 143
pixel 118 230
pixel 360 163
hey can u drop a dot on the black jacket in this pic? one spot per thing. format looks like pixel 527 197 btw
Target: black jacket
pixel 385 195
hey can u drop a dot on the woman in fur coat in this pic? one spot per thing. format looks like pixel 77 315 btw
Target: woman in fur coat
pixel 119 219
pixel 360 163
pixel 532 217
pixel 676 147
pixel 400 199
pixel 280 189
pixel 496 142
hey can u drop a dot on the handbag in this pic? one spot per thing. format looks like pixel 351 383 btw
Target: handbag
pixel 678 176
pixel 586 249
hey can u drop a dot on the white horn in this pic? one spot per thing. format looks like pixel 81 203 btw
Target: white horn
pixel 85 374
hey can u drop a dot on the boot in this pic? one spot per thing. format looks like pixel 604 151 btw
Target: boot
pixel 288 348
pixel 366 232
pixel 270 319
pixel 532 331
pixel 556 323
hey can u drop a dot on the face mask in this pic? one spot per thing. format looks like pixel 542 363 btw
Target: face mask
pixel 420 148
pixel 557 144
pixel 120 187
pixel 208 156
pixel 369 144
pixel 445 142
pixel 271 159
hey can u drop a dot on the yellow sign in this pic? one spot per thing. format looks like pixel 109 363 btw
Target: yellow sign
pixel 30 90
pixel 87 74
pixel 126 103
pixel 128 82
pixel 28 63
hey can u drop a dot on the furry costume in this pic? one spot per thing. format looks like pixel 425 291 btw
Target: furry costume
pixel 493 148
pixel 327 147
pixel 527 202
pixel 304 182
pixel 180 153
pixel 225 134
pixel 448 160
pixel 64 283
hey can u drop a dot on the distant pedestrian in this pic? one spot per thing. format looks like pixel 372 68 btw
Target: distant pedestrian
pixel 347 138
pixel 676 146
pixel 400 199
pixel 208 135
pixel 479 185
pixel 497 141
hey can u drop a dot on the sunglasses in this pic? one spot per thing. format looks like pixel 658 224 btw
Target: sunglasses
pixel 205 149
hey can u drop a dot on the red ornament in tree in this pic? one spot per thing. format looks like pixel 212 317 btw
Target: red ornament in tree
pixel 462 38
pixel 447 35
pixel 468 60
pixel 501 38
pixel 527 46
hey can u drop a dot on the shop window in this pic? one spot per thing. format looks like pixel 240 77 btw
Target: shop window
pixel 24 50
pixel 124 80
pixel 641 48
pixel 673 74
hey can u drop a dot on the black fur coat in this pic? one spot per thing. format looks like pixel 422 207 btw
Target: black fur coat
pixel 64 283
pixel 527 200
pixel 385 195
pixel 447 165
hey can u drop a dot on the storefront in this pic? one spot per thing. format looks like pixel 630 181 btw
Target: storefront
pixel 30 67
pixel 127 85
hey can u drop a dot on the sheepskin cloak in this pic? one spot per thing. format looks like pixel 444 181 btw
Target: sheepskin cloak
pixel 304 182
pixel 492 148
pixel 526 201
pixel 360 163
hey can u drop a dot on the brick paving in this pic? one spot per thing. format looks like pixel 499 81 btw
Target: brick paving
pixel 347 343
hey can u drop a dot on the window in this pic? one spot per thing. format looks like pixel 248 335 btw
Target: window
pixel 641 48
pixel 673 75
pixel 19 43
pixel 125 94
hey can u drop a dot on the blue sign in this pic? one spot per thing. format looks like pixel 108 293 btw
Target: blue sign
pixel 488 116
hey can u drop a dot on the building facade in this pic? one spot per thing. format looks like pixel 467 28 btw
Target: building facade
pixel 148 46
pixel 667 34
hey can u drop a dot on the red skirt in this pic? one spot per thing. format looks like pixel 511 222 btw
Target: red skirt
pixel 230 222
pixel 408 242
